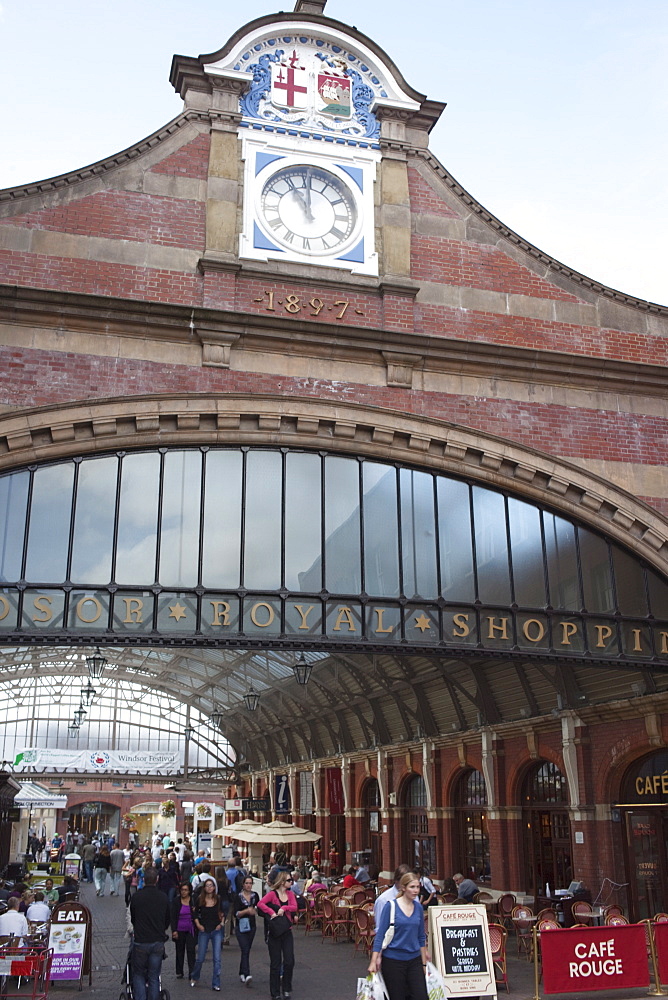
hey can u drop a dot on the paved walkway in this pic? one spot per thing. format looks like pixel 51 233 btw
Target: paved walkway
pixel 323 970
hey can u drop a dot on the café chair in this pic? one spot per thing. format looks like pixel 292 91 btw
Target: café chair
pixel 660 918
pixel 549 913
pixel 523 921
pixel 364 928
pixel 615 920
pixel 335 919
pixel 582 912
pixel 497 941
pixel 504 905
pixel 613 910
pixel 548 924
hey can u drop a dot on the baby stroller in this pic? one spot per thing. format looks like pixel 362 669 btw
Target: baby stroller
pixel 127 992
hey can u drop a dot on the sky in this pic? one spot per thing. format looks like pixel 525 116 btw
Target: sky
pixel 556 116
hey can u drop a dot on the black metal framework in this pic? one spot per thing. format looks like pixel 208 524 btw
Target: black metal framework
pixel 250 546
pixel 472 827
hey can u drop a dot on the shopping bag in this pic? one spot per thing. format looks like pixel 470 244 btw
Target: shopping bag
pixel 364 989
pixel 435 983
pixel 371 988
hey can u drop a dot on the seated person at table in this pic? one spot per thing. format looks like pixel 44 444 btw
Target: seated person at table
pixel 38 912
pixel 349 881
pixel 50 893
pixel 13 922
pixel 466 887
pixel 69 885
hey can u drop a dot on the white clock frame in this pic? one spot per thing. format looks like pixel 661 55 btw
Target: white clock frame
pixel 264 155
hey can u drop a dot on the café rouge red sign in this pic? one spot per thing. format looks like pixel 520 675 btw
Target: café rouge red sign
pixel 594 958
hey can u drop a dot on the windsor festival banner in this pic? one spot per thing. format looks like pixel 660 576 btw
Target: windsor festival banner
pixel 140 761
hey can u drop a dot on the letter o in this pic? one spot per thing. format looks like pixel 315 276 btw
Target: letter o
pixel 541 630
pixel 253 615
pixel 80 614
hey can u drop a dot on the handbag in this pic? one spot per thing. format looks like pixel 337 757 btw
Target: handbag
pixel 244 925
pixel 278 926
pixel 389 933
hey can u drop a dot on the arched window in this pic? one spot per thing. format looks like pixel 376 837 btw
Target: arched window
pixel 472 831
pixel 422 846
pixel 371 805
pixel 547 828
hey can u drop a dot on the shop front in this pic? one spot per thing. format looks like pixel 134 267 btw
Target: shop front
pixel 643 811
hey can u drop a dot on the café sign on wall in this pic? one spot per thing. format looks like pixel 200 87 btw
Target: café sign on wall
pixel 646 782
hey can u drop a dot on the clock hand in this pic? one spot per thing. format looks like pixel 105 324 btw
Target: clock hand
pixel 308 195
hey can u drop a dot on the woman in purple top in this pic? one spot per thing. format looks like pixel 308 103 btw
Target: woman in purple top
pixel 184 932
pixel 404 961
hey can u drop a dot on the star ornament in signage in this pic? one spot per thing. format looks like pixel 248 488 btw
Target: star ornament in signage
pixel 289 84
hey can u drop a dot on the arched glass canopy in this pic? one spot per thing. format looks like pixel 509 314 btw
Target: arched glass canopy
pixel 242 544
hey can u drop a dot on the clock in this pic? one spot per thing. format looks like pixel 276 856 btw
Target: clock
pixel 309 209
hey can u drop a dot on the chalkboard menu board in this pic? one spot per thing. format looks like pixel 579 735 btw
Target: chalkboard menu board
pixel 463 950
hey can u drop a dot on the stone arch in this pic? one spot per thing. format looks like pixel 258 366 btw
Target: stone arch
pixel 48 433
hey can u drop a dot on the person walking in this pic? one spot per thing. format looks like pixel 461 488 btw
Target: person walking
pixel 101 867
pixel 184 932
pixel 117 859
pixel 209 922
pixel 149 913
pixel 87 856
pixel 403 961
pixel 245 909
pixel 280 902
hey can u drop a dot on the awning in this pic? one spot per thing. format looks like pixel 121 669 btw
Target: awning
pixel 34 796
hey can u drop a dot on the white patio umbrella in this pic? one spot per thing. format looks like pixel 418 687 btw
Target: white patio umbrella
pixel 232 829
pixel 289 833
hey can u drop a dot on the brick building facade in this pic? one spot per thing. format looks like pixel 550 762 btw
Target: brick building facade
pixel 134 316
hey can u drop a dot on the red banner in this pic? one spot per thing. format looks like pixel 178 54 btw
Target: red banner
pixel 594 958
pixel 335 791
pixel 661 941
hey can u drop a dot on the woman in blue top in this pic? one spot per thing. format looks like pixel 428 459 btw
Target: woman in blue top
pixel 404 962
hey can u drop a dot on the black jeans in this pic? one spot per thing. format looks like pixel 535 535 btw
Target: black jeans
pixel 245 940
pixel 404 980
pixel 281 950
pixel 185 945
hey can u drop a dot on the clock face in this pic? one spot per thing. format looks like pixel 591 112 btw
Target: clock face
pixel 308 209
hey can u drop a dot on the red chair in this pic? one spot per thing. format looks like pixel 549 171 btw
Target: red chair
pixel 364 928
pixel 613 910
pixel 582 912
pixel 504 906
pixel 497 940
pixel 335 919
pixel 523 921
pixel 660 918
pixel 615 919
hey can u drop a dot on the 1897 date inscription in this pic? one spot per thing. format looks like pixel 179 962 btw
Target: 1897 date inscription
pixel 294 304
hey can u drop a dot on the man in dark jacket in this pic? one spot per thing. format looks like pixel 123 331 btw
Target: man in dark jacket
pixel 149 913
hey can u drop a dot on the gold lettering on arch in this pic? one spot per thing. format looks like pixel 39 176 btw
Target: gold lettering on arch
pixel 4 607
pixel 253 614
pixel 344 615
pixel 80 609
pixel 541 630
pixel 133 610
pixel 43 604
